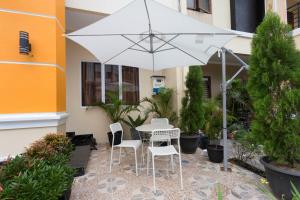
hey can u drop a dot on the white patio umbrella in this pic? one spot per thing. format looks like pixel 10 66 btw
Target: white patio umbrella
pixel 149 35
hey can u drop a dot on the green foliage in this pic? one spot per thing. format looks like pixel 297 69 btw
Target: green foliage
pixel 219 192
pixel 161 105
pixel 116 110
pixel 213 119
pixel 42 173
pixel 50 145
pixel 245 146
pixel 239 102
pixel 274 87
pixel 192 111
pixel 39 181
pixel 138 121
pixel 295 192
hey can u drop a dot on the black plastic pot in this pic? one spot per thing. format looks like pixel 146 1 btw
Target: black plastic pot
pixel 118 136
pixel 135 135
pixel 215 153
pixel 66 195
pixel 280 179
pixel 203 141
pixel 189 143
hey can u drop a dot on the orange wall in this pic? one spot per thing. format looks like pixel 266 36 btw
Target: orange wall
pixel 36 82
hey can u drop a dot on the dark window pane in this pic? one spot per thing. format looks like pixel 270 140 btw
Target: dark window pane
pixel 111 81
pixel 90 83
pixel 207 87
pixel 191 4
pixel 204 5
pixel 130 85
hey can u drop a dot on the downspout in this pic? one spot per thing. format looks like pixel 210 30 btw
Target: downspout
pixel 179 6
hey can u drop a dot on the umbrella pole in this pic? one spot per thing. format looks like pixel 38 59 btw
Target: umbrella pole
pixel 224 87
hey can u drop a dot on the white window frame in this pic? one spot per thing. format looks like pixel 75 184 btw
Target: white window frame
pixel 102 83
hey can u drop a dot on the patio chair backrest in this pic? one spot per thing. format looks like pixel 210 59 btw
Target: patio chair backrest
pixel 165 134
pixel 115 127
pixel 163 121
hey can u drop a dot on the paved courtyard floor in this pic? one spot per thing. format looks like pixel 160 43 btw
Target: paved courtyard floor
pixel 201 178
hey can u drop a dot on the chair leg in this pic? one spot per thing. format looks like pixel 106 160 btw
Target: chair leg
pixel 180 170
pixel 111 158
pixel 136 166
pixel 172 163
pixel 153 171
pixel 143 154
pixel 148 162
pixel 120 154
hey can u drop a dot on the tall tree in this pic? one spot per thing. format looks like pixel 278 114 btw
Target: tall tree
pixel 274 87
pixel 192 112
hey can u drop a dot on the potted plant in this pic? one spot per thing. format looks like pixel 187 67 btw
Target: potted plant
pixel 116 111
pixel 212 128
pixel 161 105
pixel 133 123
pixel 274 87
pixel 191 114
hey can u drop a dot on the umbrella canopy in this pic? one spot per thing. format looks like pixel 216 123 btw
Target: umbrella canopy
pixel 149 35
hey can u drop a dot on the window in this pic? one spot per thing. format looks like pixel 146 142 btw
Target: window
pixel 111 80
pixel 91 83
pixel 130 85
pixel 207 86
pixel 120 80
pixel 199 5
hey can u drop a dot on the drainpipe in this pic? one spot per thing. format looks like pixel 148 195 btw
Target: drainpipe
pixel 179 5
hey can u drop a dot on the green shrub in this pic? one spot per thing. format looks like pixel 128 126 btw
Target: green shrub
pixel 274 87
pixel 40 181
pixel 213 119
pixel 59 142
pixel 50 145
pixel 42 173
pixel 192 113
pixel 161 105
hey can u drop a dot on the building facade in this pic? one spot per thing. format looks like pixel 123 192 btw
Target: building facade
pixel 52 88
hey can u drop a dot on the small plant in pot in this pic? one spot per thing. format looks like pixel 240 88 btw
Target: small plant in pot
pixel 191 114
pixel 212 128
pixel 161 105
pixel 133 123
pixel 274 88
pixel 116 111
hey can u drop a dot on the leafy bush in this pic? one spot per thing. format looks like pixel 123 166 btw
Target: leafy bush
pixel 239 103
pixel 274 87
pixel 245 146
pixel 39 181
pixel 161 105
pixel 42 173
pixel 138 121
pixel 50 145
pixel 192 111
pixel 60 143
pixel 213 119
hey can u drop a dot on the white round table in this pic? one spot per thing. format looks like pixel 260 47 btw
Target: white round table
pixel 151 127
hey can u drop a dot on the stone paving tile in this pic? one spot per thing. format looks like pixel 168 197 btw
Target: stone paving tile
pixel 201 179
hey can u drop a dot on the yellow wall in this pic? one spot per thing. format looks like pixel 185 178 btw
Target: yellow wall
pixel 36 82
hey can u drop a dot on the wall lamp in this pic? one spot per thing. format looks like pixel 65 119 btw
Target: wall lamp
pixel 25 46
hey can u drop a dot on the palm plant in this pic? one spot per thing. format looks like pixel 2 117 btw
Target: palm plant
pixel 213 119
pixel 161 105
pixel 116 110
pixel 138 121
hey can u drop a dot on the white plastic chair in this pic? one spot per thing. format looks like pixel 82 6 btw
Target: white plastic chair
pixel 135 144
pixel 168 150
pixel 160 121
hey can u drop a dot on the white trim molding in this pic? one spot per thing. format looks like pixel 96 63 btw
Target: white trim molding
pixel 33 63
pixel 32 120
pixel 35 15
